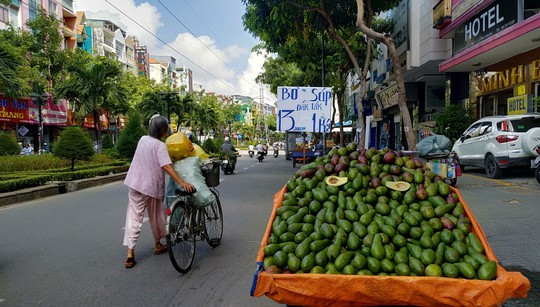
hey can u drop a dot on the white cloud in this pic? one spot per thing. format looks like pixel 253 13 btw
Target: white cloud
pixel 211 65
pixel 145 14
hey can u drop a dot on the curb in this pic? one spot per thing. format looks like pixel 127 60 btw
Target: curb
pixel 56 188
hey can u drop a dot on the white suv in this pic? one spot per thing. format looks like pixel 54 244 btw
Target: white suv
pixel 499 142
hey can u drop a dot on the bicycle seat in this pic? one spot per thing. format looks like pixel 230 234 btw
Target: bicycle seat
pixel 180 191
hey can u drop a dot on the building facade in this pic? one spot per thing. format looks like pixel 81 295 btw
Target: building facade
pixel 495 59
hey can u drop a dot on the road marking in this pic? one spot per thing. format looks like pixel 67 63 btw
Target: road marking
pixel 496 180
pixel 506 184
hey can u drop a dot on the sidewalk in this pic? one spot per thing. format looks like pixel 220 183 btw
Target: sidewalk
pixel 56 188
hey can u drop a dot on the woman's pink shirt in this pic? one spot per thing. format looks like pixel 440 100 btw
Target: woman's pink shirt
pixel 145 173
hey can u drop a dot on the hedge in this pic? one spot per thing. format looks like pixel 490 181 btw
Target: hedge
pixel 42 178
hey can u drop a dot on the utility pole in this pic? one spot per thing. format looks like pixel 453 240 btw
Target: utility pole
pixel 262 121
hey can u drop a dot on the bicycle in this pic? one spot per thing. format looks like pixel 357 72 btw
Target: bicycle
pixel 186 224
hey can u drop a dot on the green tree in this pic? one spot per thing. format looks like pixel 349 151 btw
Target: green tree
pixel 8 145
pixel 289 27
pixel 107 141
pixel 453 121
pixel 94 85
pixel 9 81
pixel 129 137
pixel 73 144
pixel 46 56
pixel 16 73
pixel 278 72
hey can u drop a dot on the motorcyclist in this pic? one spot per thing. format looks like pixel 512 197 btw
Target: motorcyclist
pixel 276 149
pixel 265 149
pixel 229 150
pixel 260 148
pixel 251 150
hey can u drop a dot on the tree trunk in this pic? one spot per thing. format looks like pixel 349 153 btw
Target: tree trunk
pixel 389 42
pixel 340 109
pixel 98 131
pixel 73 164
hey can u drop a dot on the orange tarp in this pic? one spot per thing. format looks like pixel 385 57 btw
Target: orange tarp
pixel 352 290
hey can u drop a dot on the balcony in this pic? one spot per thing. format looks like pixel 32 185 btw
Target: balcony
pixel 442 14
pixel 69 30
pixel 16 3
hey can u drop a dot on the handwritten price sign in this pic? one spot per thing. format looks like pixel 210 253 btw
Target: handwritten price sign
pixel 304 109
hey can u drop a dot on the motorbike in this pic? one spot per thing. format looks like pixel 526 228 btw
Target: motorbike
pixel 260 155
pixel 228 165
pixel 251 153
pixel 276 151
pixel 536 164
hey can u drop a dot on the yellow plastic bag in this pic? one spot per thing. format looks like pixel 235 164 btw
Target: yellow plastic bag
pixel 179 146
pixel 198 151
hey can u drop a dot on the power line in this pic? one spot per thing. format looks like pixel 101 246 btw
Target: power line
pixel 202 20
pixel 165 43
pixel 217 56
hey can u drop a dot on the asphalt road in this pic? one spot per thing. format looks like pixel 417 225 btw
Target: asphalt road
pixel 66 250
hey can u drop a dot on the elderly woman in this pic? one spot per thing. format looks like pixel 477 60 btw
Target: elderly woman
pixel 146 182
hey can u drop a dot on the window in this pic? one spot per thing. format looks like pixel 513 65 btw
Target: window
pixel 52 7
pixel 525 123
pixel 4 15
pixel 33 9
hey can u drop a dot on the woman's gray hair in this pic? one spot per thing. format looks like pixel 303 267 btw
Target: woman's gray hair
pixel 157 126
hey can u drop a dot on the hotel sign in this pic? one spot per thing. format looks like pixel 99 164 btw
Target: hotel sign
pixel 517 105
pixel 491 20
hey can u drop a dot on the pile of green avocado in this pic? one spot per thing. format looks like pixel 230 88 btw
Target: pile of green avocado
pixel 373 212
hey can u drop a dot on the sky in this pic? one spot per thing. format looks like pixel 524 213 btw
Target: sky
pixel 206 36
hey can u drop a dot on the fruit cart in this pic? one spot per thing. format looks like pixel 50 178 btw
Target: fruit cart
pixel 444 164
pixel 316 289
pixel 299 156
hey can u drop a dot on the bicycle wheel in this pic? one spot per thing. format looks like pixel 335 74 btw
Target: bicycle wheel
pixel 213 222
pixel 181 240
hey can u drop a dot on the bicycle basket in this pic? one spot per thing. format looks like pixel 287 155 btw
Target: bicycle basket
pixel 211 173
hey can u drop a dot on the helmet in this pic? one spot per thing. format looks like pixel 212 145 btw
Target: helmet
pixel 227 139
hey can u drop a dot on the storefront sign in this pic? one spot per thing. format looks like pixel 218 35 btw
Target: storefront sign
pixel 401 26
pixel 389 97
pixel 491 20
pixel 304 109
pixel 518 105
pixel 503 79
pixel 13 111
pixel 24 111
pixel 103 121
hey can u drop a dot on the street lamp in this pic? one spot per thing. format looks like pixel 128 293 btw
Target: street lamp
pixel 39 99
pixel 167 97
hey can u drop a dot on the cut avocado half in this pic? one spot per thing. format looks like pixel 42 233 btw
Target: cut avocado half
pixel 398 185
pixel 335 180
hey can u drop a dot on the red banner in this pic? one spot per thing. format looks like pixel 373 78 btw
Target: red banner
pixel 103 121
pixel 14 111
pixel 24 111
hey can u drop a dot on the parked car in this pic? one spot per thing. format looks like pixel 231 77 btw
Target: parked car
pixel 499 142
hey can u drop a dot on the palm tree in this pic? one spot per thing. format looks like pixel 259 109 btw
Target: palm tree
pixel 95 86
pixel 9 81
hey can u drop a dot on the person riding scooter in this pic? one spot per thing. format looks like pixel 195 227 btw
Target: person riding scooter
pixel 260 152
pixel 251 151
pixel 276 150
pixel 229 151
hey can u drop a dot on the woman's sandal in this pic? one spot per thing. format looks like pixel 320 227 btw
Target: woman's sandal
pixel 160 249
pixel 130 262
